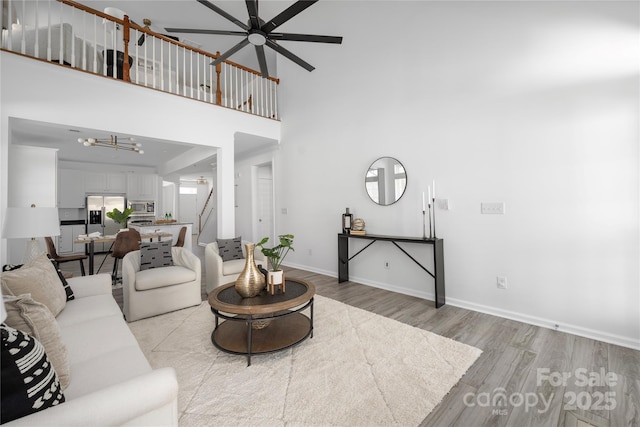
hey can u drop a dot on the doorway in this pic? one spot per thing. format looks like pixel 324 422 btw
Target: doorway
pixel 264 202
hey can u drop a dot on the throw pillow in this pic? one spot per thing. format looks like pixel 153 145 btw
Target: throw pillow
pixel 155 254
pixel 38 278
pixel 29 382
pixel 230 248
pixel 35 319
pixel 67 288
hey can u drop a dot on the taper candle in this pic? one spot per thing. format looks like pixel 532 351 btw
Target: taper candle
pixel 429 189
pixel 434 189
pixel 424 208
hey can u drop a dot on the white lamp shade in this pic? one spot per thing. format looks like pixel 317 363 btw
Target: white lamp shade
pixel 30 222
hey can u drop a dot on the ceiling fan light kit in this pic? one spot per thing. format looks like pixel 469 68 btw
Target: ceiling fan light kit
pixel 114 143
pixel 259 33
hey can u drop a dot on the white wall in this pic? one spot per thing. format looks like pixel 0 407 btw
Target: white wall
pixel 530 103
pixel 33 174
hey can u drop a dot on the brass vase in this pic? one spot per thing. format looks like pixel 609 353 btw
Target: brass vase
pixel 251 281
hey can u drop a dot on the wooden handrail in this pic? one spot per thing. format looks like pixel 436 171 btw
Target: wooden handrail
pixel 127 24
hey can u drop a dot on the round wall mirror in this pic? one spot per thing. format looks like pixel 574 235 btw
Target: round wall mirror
pixel 385 181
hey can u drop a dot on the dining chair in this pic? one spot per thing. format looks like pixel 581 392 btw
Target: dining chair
pixel 51 249
pixel 126 241
pixel 181 236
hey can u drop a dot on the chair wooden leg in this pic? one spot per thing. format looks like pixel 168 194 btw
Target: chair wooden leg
pixel 82 268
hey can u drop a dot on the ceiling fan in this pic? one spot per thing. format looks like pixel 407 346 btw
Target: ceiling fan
pixel 258 33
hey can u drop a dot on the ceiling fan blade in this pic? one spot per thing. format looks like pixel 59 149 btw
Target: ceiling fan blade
pixel 305 38
pixel 284 52
pixel 286 14
pixel 262 60
pixel 231 51
pixel 203 31
pixel 224 14
pixel 252 8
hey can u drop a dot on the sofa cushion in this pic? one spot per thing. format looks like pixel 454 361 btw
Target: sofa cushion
pixel 155 254
pixel 165 276
pixel 233 267
pixel 90 339
pixel 38 278
pixel 35 319
pixel 88 308
pixel 230 249
pixel 107 369
pixel 26 387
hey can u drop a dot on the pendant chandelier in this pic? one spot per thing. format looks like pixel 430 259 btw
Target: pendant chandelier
pixel 113 142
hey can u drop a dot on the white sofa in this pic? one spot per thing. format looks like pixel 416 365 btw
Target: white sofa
pixel 218 273
pixel 111 381
pixel 160 290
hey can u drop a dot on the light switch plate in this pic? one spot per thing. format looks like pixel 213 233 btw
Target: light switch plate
pixel 492 208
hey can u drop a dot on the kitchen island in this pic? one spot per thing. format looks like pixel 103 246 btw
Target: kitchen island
pixel 172 228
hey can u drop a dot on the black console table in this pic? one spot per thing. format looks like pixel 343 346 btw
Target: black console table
pixel 438 257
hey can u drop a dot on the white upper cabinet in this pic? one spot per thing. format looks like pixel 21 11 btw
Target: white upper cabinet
pixel 142 186
pixel 100 182
pixel 71 192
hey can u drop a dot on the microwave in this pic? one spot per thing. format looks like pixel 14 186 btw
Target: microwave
pixel 142 207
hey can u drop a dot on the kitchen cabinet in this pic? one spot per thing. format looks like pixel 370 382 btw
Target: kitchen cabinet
pixel 141 186
pixel 101 182
pixel 69 233
pixel 71 192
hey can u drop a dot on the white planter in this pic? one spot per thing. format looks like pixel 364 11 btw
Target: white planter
pixel 275 277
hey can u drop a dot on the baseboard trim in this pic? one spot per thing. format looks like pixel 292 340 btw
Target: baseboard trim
pixel 494 311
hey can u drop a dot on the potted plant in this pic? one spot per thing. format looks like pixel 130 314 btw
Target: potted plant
pixel 120 217
pixel 276 255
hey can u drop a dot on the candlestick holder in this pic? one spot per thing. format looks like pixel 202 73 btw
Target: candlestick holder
pixel 434 218
pixel 424 224
pixel 430 230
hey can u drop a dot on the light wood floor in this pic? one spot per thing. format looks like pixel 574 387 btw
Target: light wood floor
pixel 516 357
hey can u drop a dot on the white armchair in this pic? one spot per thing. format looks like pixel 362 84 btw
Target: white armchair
pixel 218 272
pixel 160 290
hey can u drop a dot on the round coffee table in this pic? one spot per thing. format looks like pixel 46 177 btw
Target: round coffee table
pixel 264 323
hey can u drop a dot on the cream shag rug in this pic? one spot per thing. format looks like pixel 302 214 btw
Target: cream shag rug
pixel 359 369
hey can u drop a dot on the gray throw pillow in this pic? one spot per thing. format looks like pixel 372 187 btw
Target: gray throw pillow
pixel 230 248
pixel 155 254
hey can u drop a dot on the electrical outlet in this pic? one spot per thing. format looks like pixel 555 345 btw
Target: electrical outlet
pixel 310 252
pixel 386 265
pixel 501 282
pixel 495 208
pixel 443 204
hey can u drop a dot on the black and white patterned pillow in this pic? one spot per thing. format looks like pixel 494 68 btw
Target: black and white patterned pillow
pixel 155 254
pixel 29 382
pixel 230 248
pixel 67 288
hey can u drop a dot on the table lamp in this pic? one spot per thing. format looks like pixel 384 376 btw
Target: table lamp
pixel 33 222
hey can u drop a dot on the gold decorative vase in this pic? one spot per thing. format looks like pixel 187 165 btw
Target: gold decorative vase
pixel 251 281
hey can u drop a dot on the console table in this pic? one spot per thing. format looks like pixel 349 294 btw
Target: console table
pixel 438 257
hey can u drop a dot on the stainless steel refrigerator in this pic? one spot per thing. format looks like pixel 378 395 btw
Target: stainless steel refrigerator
pixel 97 207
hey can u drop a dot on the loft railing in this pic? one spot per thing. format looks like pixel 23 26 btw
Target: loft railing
pixel 74 35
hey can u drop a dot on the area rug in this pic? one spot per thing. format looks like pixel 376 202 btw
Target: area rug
pixel 359 369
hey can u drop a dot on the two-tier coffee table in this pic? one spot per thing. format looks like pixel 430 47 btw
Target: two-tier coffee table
pixel 262 324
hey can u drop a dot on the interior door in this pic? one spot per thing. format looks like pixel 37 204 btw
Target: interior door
pixel 188 211
pixel 265 226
